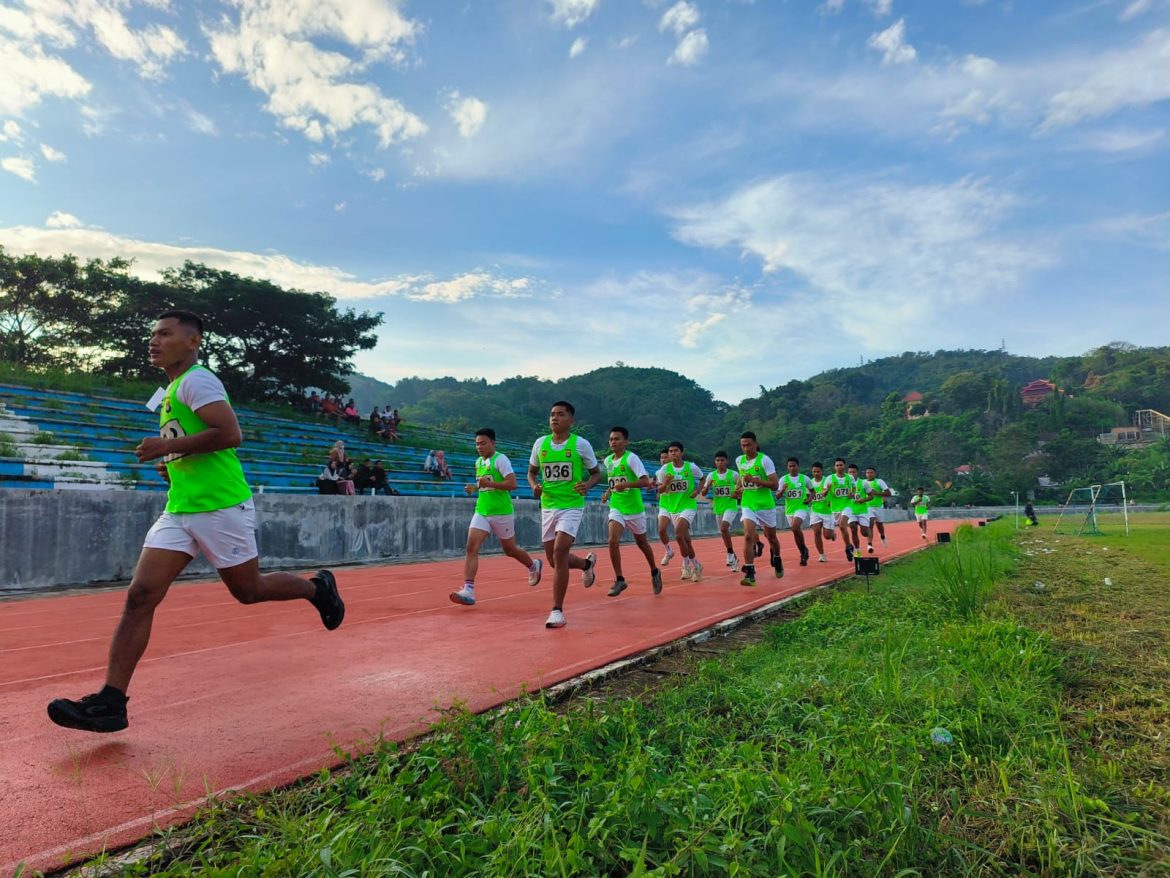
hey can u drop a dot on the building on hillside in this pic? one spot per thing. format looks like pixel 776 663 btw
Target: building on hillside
pixel 1148 426
pixel 914 405
pixel 1037 391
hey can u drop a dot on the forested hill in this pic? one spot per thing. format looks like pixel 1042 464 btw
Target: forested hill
pixel 975 415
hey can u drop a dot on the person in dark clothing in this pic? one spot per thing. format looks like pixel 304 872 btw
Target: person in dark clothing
pixel 363 476
pixel 1030 514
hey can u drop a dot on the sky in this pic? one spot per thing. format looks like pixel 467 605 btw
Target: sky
pixel 743 192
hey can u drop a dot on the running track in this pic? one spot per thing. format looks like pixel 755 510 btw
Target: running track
pixel 235 697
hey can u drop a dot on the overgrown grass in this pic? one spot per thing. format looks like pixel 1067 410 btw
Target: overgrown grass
pixel 44 437
pixel 7 445
pixel 808 754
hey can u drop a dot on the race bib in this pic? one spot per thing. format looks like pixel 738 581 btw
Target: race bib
pixel 172 429
pixel 723 491
pixel 556 471
pixel 678 487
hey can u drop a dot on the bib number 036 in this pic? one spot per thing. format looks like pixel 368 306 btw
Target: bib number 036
pixel 557 471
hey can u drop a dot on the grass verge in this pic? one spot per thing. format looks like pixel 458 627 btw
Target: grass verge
pixel 903 732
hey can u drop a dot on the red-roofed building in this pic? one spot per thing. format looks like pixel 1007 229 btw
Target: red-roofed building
pixel 1036 391
pixel 913 401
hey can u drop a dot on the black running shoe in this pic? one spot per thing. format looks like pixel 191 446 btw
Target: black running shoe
pixel 327 601
pixel 93 713
pixel 656 580
pixel 848 552
pixel 759 548
pixel 804 558
pixel 619 586
pixel 778 566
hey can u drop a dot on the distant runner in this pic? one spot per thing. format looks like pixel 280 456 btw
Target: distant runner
pixel 494 514
pixel 879 491
pixel 757 480
pixel 721 484
pixel 680 483
pixel 561 471
pixel 823 523
pixel 796 491
pixel 627 476
pixel 840 491
pixel 921 503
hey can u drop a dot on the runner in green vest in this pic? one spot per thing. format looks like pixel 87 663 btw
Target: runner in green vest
pixel 663 514
pixel 627 477
pixel 494 479
pixel 757 504
pixel 859 509
pixel 679 483
pixel 209 509
pixel 840 492
pixel 880 491
pixel 796 491
pixel 561 471
pixel 821 513
pixel 921 503
pixel 721 485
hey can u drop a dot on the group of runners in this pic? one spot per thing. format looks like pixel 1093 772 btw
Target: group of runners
pixel 563 468
pixel 210 510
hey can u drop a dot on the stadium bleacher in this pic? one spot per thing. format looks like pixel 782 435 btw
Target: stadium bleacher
pixel 65 440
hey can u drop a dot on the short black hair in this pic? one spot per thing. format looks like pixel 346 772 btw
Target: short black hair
pixel 675 444
pixel 721 453
pixel 853 466
pixel 187 318
pixel 748 434
pixel 486 431
pixel 625 433
pixel 567 406
pixel 663 451
pixel 838 459
pixel 818 465
pixel 795 460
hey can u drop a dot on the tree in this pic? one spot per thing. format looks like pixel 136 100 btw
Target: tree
pixel 42 302
pixel 267 343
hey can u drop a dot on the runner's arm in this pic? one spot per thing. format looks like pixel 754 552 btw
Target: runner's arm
pixel 223 431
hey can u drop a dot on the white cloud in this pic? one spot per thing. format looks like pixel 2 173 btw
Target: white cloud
pixel 52 155
pixel 695 329
pixel 679 18
pixel 899 254
pixel 339 207
pixel 468 114
pixel 30 76
pixel 316 159
pixel 690 49
pixel 1134 77
pixel 1120 140
pixel 198 122
pixel 60 220
pixel 571 13
pixel 63 234
pixel 469 286
pixel 578 47
pixel 880 8
pixel 21 167
pixel 10 130
pixel 892 44
pixel 1136 8
pixel 1144 230
pixel 320 92
pixel 376 174
pixel 832 7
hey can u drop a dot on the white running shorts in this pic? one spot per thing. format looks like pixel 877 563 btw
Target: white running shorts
pixel 877 513
pixel 687 515
pixel 554 521
pixel 801 515
pixel 923 516
pixel 728 515
pixel 825 519
pixel 503 526
pixel 634 522
pixel 227 537
pixel 761 517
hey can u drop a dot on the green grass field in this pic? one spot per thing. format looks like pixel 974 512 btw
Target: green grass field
pixel 961 719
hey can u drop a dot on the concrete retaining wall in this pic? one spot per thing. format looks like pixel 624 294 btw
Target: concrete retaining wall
pixel 59 538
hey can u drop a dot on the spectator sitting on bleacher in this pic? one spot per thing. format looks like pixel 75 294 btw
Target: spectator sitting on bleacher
pixel 313 403
pixel 442 471
pixel 329 480
pixel 376 422
pixel 429 463
pixel 380 483
pixel 363 476
pixel 351 413
pixel 331 408
pixel 389 430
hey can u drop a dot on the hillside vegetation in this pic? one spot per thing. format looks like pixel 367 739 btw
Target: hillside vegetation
pixel 970 415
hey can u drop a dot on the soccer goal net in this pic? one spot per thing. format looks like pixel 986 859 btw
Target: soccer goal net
pixel 1097 509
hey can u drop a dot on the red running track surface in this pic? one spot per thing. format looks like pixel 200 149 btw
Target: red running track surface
pixel 232 697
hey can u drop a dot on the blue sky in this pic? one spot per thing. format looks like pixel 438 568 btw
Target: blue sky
pixel 745 192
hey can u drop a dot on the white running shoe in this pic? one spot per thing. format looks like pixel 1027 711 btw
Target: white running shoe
pixel 869 548
pixel 686 572
pixel 534 575
pixel 733 562
pixel 696 570
pixel 730 559
pixel 465 596
pixel 822 559
pixel 589 574
pixel 556 619
pixel 666 556
pixel 884 543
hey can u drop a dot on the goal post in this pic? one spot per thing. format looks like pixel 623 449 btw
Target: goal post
pixel 1094 510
